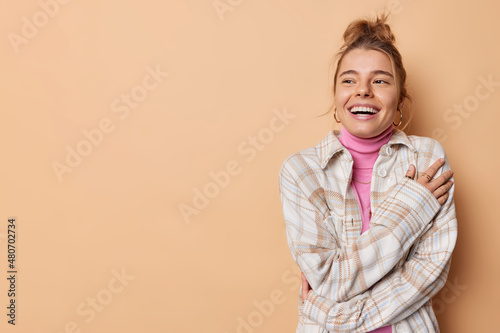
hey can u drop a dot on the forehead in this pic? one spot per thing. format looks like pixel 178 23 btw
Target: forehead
pixel 366 61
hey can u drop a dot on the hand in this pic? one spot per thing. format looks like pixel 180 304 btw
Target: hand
pixel 440 186
pixel 305 287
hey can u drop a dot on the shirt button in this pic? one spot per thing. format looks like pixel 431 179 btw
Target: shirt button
pixel 388 150
pixel 382 173
pixel 399 328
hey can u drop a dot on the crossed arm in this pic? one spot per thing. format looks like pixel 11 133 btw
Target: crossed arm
pixel 400 293
pixel 341 275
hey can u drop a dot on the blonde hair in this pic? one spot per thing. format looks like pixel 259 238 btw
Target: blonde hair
pixel 376 35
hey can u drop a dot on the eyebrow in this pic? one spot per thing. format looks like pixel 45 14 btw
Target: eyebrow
pixel 351 71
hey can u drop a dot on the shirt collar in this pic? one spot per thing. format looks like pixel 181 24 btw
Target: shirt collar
pixel 331 145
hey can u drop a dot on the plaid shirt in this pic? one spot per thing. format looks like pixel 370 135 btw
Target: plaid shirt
pixel 404 257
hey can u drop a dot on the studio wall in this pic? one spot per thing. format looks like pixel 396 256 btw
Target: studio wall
pixel 141 143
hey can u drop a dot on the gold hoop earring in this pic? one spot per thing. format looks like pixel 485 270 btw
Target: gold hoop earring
pixel 335 115
pixel 400 120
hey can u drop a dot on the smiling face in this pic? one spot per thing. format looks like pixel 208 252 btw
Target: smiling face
pixel 366 95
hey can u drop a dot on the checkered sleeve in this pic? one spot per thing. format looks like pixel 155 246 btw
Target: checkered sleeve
pixel 405 289
pixel 342 271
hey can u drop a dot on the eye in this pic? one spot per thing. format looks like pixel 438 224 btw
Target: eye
pixel 380 81
pixel 347 81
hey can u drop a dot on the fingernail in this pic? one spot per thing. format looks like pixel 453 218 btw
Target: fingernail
pixel 441 160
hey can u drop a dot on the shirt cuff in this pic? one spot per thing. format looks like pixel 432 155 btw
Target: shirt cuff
pixel 420 199
pixel 316 307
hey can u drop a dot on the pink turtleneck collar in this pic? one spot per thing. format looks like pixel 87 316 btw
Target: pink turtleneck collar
pixel 364 151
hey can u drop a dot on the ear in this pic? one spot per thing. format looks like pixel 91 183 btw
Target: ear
pixel 401 103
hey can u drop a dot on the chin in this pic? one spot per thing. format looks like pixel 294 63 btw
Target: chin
pixel 364 133
pixel 367 132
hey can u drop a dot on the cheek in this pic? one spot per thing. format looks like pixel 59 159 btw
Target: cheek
pixel 390 100
pixel 341 97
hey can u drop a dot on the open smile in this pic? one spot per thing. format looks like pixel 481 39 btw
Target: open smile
pixel 363 112
pixel 366 110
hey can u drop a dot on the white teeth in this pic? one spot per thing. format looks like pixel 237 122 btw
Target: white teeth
pixel 364 109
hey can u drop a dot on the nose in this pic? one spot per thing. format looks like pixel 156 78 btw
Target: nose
pixel 363 90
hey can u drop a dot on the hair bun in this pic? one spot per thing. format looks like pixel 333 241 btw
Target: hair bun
pixel 363 30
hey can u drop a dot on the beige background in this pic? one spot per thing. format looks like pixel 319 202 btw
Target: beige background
pixel 231 70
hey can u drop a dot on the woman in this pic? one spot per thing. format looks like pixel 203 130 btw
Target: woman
pixel 372 236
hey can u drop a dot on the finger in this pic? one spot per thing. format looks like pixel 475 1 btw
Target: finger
pixel 448 185
pixel 411 171
pixel 440 191
pixel 442 199
pixel 431 171
pixel 304 283
pixel 424 177
pixel 441 180
pixel 305 287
